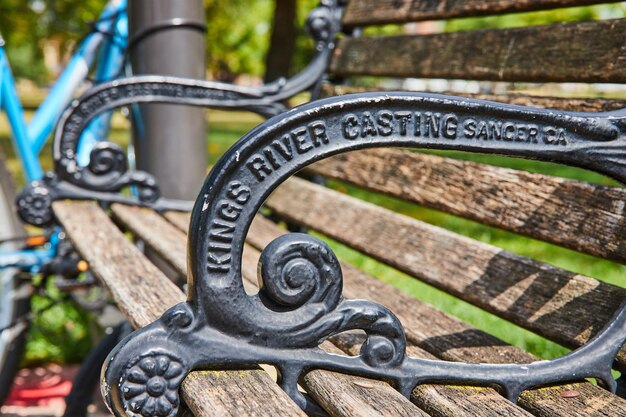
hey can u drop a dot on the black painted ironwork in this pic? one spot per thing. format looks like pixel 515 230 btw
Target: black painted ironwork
pixel 300 302
pixel 107 173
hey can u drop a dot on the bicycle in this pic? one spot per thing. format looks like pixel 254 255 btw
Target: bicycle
pixel 103 51
pixel 266 100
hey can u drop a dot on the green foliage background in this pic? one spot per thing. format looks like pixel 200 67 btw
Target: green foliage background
pixel 236 42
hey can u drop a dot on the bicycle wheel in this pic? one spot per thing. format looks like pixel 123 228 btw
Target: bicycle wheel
pixel 14 303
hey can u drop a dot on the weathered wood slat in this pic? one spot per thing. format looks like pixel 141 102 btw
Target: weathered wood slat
pixel 179 219
pixel 375 12
pixel 585 217
pixel 534 295
pixel 345 395
pixel 143 293
pixel 451 339
pixel 140 221
pixel 557 103
pixel 339 394
pixel 576 52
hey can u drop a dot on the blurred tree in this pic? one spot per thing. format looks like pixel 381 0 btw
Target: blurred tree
pixel 237 36
pixel 283 40
pixel 25 24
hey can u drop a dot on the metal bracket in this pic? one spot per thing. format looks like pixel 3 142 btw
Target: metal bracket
pixel 107 173
pixel 300 302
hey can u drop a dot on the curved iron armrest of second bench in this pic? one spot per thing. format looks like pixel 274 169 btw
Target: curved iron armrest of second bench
pixel 300 302
pixel 107 172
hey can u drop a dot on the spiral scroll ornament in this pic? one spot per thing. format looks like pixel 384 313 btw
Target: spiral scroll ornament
pixel 107 161
pixel 297 269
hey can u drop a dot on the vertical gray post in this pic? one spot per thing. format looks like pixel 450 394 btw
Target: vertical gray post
pixel 170 141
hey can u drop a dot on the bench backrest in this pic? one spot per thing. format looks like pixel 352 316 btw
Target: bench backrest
pixel 585 217
pixel 545 208
pixel 572 52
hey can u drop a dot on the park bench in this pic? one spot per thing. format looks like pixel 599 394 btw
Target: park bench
pixel 559 305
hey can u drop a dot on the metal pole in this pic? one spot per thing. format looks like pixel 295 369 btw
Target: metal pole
pixel 170 141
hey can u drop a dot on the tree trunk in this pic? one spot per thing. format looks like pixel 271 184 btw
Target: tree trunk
pixel 283 40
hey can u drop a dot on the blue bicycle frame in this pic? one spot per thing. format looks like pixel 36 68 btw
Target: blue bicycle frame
pixel 107 43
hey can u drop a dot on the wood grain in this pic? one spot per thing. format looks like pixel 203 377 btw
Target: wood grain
pixel 449 338
pixel 339 393
pixel 179 219
pixel 557 103
pixel 573 52
pixel 142 221
pixel 429 329
pixel 345 395
pixel 534 295
pixel 374 12
pixel 581 216
pixel 143 293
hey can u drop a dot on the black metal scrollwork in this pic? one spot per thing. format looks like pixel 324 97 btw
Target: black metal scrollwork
pixel 300 303
pixel 107 173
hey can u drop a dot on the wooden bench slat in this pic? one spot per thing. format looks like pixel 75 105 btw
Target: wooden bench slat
pixel 346 398
pixel 534 295
pixel 126 274
pixel 445 401
pixel 574 52
pixel 375 12
pixel 451 339
pixel 557 103
pixel 345 395
pixel 140 221
pixel 179 219
pixel 581 216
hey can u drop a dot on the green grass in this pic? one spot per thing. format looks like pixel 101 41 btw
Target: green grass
pixel 51 337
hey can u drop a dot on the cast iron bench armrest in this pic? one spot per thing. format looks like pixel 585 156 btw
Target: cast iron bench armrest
pixel 300 302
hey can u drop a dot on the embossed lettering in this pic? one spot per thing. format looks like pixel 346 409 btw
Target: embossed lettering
pixel 554 136
pixel 218 263
pixel 283 148
pixel 417 121
pixel 259 168
pixel 350 127
pixel 403 120
pixel 508 130
pixel 317 130
pixel 369 127
pixel 533 132
pixel 269 155
pixel 222 231
pixel 470 129
pixel 239 192
pixel 450 126
pixel 223 227
pixel 482 131
pixel 300 138
pixel 229 211
pixel 385 120
pixel 431 124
